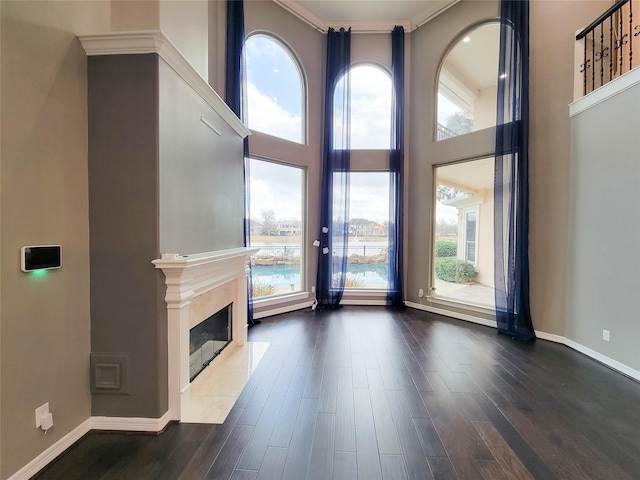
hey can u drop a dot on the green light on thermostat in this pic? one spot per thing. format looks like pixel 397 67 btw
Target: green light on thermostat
pixel 43 272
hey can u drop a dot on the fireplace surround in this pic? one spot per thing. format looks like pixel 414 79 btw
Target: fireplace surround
pixel 197 286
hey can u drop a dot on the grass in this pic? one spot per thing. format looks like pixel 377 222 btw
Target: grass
pixel 262 289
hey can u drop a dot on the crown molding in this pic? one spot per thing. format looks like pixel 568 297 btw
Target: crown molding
pixel 304 14
pixel 155 41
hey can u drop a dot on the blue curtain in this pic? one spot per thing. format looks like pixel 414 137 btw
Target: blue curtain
pixel 334 193
pixel 511 188
pixel 395 292
pixel 234 81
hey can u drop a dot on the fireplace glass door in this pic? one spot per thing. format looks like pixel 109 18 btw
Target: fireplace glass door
pixel 208 339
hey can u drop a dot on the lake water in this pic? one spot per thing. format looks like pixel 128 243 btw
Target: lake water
pixel 281 276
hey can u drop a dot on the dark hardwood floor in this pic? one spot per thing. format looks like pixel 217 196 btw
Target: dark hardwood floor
pixel 367 393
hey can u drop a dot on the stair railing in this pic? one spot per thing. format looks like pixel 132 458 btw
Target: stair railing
pixel 607 45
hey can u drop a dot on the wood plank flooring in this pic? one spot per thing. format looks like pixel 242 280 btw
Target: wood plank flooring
pixel 368 393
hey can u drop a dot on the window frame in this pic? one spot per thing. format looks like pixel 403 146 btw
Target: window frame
pixel 465 232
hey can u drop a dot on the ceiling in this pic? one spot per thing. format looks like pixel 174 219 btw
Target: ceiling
pixel 366 15
pixel 471 176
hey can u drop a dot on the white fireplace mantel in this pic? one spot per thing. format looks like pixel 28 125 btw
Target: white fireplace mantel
pixel 188 277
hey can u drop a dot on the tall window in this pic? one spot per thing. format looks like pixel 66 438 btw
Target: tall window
pixel 276 227
pixel 467 85
pixel 368 264
pixel 370 129
pixel 463 233
pixel 275 97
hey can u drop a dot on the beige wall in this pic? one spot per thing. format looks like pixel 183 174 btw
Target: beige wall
pixel 553 26
pixel 429 45
pixel 170 16
pixel 133 15
pixel 484 108
pixel 485 240
pixel 192 41
pixel 45 321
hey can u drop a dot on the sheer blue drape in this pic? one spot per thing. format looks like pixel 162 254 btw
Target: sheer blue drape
pixel 334 193
pixel 511 188
pixel 395 292
pixel 234 87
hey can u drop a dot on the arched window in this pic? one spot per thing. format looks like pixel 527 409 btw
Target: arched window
pixel 467 84
pixel 370 103
pixel 275 96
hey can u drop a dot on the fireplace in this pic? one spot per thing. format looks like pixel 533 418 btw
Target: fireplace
pixel 208 339
pixel 199 286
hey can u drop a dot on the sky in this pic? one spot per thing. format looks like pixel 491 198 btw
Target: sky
pixel 279 188
pixel 274 94
pixel 275 187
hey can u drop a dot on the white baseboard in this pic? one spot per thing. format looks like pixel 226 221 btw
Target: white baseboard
pixel 452 314
pixel 131 424
pixel 51 453
pixel 364 302
pixel 551 337
pixel 124 424
pixel 279 310
pixel 609 362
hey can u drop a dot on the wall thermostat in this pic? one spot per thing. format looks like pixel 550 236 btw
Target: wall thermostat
pixel 40 257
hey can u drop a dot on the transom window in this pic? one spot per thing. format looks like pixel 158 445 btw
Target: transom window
pixel 467 85
pixel 275 96
pixel 370 101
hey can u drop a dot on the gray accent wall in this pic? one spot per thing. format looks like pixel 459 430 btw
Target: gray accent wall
pixel 160 180
pixel 201 195
pixel 127 315
pixel 603 253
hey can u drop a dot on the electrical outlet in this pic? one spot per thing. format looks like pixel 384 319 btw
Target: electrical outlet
pixel 420 293
pixel 41 412
pixel 313 289
pixel 605 335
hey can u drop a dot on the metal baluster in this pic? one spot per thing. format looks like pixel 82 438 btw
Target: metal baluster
pixel 584 71
pixel 621 47
pixel 601 54
pixel 630 35
pixel 611 48
pixel 593 60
